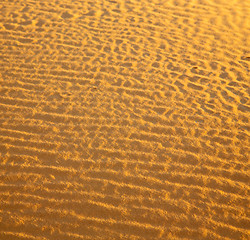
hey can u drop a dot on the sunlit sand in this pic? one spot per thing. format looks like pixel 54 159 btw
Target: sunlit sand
pixel 124 119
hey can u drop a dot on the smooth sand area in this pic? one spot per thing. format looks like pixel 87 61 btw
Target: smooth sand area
pixel 124 119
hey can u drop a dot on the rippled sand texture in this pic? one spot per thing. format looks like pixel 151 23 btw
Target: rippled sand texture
pixel 124 119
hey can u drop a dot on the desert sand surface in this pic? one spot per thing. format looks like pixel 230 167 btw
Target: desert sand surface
pixel 124 119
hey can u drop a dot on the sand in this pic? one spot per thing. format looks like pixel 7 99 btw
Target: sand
pixel 124 119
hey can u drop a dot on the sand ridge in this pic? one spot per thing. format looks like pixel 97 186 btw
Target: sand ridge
pixel 124 119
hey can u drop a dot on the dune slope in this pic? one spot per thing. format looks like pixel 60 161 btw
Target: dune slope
pixel 124 119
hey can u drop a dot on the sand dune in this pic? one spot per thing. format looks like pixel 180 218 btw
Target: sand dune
pixel 124 119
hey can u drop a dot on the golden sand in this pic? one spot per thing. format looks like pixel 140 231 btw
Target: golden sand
pixel 124 119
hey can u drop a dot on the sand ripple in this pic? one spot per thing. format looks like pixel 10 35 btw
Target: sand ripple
pixel 124 119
